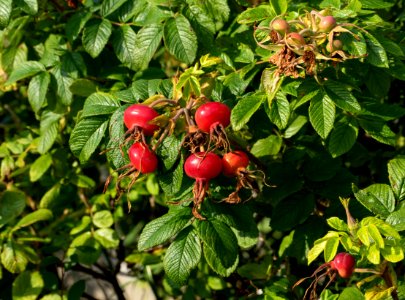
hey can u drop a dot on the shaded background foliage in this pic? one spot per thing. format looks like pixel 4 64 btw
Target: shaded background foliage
pixel 67 72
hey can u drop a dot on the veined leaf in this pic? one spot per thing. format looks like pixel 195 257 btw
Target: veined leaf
pixel 343 137
pixel 100 104
pixel 280 110
pixel 220 246
pixel 95 36
pixel 256 14
pixel 163 228
pixel 109 6
pixel 76 24
pixel 376 52
pixel 377 198
pixel 13 257
pixel 180 39
pixel 244 110
pixel 147 41
pixel 63 82
pixel 124 45
pixel 48 130
pixel 107 237
pixel 331 248
pixel 30 6
pixel 37 90
pixel 24 70
pixel 86 136
pixel 341 96
pixel 322 114
pixel 5 12
pixel 396 171
pixel 182 256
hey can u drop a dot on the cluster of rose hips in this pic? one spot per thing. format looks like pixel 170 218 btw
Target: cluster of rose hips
pixel 205 141
pixel 343 264
pixel 303 42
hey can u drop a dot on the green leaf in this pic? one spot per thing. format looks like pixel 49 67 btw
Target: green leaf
pixel 48 131
pixel 95 36
pixel 376 235
pixel 76 24
pixel 396 171
pixel 100 104
pixel 322 114
pixel 379 131
pixel 25 69
pixel 373 254
pixel 351 293
pixel 27 286
pixel 397 219
pixel 271 82
pixel 123 41
pixel 182 256
pixel 41 214
pixel 376 4
pixel 116 135
pixel 84 249
pixel 86 136
pixel 331 248
pixel 279 6
pixel 63 82
pixel 342 138
pixel 376 52
pixel 147 41
pixel 280 110
pixel 12 204
pixel 169 150
pixel 393 253
pixel 342 97
pixel 256 14
pixel 295 126
pixel 40 166
pixel 267 146
pixel 163 228
pixel 37 90
pixel 84 224
pixel 13 257
pixel 51 197
pixel 316 250
pixel 377 198
pixel 103 219
pixel 220 246
pixel 109 6
pixel 180 39
pixel 244 110
pixel 337 224
pixel 107 237
pixel 83 87
pixel 30 6
pixel 5 12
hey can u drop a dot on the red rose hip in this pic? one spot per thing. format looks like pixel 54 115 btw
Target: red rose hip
pixel 140 115
pixel 211 114
pixel 203 166
pixel 233 162
pixel 142 158
pixel 344 264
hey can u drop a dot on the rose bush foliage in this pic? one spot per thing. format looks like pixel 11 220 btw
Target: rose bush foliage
pixel 317 103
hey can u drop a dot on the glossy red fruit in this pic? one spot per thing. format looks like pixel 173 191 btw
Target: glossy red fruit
pixel 142 158
pixel 233 162
pixel 281 26
pixel 140 115
pixel 295 39
pixel 203 166
pixel 211 114
pixel 327 23
pixel 344 263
